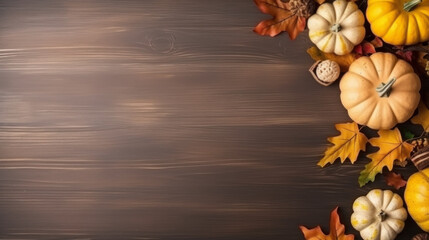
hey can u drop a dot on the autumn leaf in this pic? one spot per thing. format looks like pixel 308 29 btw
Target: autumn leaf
pixel 344 61
pixel 395 180
pixel 364 49
pixel 422 117
pixel 283 19
pixel 336 230
pixel 391 148
pixel 347 145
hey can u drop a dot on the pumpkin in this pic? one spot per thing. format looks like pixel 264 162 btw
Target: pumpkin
pixel 337 27
pixel 399 22
pixel 380 91
pixel 417 198
pixel 379 215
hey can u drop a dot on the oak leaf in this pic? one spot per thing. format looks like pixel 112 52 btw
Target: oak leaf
pixel 346 145
pixel 395 180
pixel 391 148
pixel 344 61
pixel 336 230
pixel 422 117
pixel 283 19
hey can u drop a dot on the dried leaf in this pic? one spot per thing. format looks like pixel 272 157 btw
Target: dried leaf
pixel 406 55
pixel 344 61
pixel 395 180
pixel 376 42
pixel 346 145
pixel 422 117
pixel 364 49
pixel 283 19
pixel 336 230
pixel 391 148
pixel 320 1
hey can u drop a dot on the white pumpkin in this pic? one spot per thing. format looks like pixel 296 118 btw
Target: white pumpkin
pixel 337 27
pixel 379 215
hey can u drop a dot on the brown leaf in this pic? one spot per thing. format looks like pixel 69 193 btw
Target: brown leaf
pixel 377 42
pixel 395 180
pixel 320 1
pixel 283 19
pixel 344 61
pixel 391 148
pixel 337 230
pixel 346 145
pixel 422 117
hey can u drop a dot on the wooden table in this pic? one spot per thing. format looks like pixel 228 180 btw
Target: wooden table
pixel 163 119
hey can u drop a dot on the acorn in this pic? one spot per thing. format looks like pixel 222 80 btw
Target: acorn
pixel 325 72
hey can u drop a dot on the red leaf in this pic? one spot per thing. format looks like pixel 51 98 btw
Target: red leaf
pixel 377 42
pixel 368 48
pixel 407 55
pixel 283 19
pixel 395 180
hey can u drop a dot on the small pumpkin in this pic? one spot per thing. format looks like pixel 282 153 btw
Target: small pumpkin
pixel 337 27
pixel 379 215
pixel 399 22
pixel 417 194
pixel 380 91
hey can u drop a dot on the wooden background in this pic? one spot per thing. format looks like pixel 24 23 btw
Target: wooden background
pixel 163 119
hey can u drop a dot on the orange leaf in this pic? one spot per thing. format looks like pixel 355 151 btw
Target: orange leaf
pixel 391 148
pixel 320 1
pixel 283 19
pixel 336 230
pixel 422 117
pixel 395 180
pixel 347 145
pixel 344 61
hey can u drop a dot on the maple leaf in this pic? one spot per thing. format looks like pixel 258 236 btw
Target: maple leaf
pixel 422 117
pixel 283 19
pixel 344 61
pixel 395 180
pixel 336 230
pixel 347 145
pixel 391 148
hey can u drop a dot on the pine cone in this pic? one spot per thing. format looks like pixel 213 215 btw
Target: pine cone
pixel 303 8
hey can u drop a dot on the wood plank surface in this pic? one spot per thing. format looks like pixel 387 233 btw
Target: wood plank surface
pixel 162 119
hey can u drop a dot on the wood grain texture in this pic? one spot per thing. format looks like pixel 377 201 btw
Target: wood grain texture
pixel 162 119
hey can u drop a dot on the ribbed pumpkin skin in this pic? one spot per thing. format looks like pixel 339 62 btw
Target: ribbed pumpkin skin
pixel 363 103
pixel 394 25
pixel 417 198
pixel 345 14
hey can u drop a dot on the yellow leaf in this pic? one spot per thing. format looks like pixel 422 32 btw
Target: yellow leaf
pixel 344 61
pixel 422 117
pixel 391 148
pixel 347 145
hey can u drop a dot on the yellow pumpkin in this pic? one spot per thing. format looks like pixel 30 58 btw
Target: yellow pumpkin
pixel 337 27
pixel 417 198
pixel 399 22
pixel 380 91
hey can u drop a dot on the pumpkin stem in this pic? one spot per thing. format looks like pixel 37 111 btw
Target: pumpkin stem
pixel 384 89
pixel 383 215
pixel 408 6
pixel 336 27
